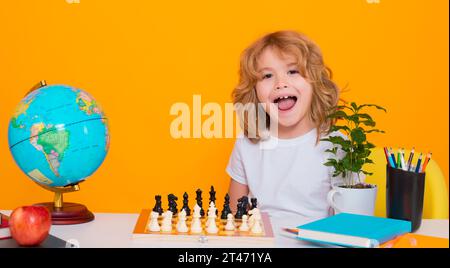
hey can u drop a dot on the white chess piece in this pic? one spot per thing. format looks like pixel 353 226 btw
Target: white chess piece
pixel 212 227
pixel 253 214
pixel 244 225
pixel 257 225
pixel 153 225
pixel 166 225
pixel 181 225
pixel 211 211
pixel 230 223
pixel 196 225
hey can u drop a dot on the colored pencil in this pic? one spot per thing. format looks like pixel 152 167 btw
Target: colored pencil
pixel 393 157
pixel 411 155
pixel 418 163
pixel 399 161
pixel 386 154
pixel 402 160
pixel 425 163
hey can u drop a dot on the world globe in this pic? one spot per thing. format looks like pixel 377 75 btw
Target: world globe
pixel 58 135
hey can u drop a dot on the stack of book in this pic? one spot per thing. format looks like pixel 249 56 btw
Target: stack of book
pixel 353 230
pixel 4 227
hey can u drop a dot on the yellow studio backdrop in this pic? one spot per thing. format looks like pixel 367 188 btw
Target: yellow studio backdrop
pixel 138 58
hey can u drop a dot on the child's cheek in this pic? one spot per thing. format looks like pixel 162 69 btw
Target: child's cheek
pixel 263 93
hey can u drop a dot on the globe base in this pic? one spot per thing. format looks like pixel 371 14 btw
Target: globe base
pixel 69 213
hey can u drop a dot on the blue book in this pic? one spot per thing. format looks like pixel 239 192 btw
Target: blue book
pixel 351 230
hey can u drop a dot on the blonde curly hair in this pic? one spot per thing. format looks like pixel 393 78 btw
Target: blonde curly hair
pixel 311 66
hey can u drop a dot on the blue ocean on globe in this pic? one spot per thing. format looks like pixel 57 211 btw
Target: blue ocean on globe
pixel 58 135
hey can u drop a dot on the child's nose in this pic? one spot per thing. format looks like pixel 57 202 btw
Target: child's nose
pixel 281 83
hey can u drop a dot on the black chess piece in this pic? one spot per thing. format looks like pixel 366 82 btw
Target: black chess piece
pixel 226 207
pixel 254 202
pixel 186 204
pixel 239 212
pixel 199 202
pixel 244 207
pixel 172 203
pixel 212 197
pixel 158 205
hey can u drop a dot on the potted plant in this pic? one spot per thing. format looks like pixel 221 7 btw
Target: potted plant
pixel 351 154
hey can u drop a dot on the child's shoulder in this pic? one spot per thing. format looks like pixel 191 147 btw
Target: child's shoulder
pixel 243 141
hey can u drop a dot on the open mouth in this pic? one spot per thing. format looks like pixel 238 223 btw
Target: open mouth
pixel 285 103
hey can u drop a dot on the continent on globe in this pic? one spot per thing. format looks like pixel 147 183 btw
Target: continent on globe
pixel 51 142
pixel 87 103
pixel 22 109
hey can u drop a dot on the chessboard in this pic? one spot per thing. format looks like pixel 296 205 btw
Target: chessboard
pixel 223 237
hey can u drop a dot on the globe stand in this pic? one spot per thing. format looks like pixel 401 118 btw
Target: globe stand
pixel 66 213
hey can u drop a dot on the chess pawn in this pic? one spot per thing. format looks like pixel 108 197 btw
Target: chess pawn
pixel 244 225
pixel 181 225
pixel 153 225
pixel 166 225
pixel 256 227
pixel 230 223
pixel 254 213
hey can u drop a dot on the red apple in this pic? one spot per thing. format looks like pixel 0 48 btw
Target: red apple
pixel 30 225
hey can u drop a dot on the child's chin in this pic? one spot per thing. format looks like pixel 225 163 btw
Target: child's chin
pixel 287 122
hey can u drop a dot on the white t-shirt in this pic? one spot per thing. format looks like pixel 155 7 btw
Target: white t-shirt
pixel 287 176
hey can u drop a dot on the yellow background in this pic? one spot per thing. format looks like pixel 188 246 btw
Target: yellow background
pixel 137 58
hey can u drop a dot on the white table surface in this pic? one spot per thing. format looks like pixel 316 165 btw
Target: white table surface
pixel 114 230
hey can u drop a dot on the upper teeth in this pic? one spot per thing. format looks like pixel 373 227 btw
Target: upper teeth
pixel 285 97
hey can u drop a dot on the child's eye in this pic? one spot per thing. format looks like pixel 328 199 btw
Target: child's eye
pixel 267 76
pixel 293 72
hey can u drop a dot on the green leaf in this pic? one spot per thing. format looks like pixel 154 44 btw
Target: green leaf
pixel 354 118
pixel 367 173
pixel 345 144
pixel 368 123
pixel 331 162
pixel 337 128
pixel 342 107
pixel 360 149
pixel 372 105
pixel 365 116
pixel 370 145
pixel 333 151
pixel 338 114
pixel 375 130
pixel 347 163
pixel 355 107
pixel 358 135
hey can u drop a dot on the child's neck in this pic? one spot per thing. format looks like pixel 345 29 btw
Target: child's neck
pixel 301 128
